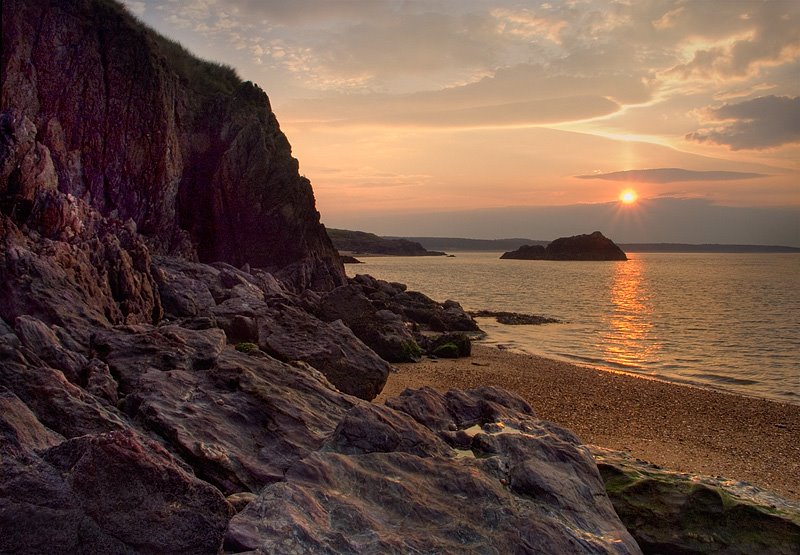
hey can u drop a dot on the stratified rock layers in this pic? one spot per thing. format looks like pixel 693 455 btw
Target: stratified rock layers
pixel 137 128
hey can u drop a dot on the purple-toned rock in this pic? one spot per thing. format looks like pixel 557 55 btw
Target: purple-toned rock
pixel 382 330
pixel 289 333
pixel 193 187
pixel 107 493
pixel 523 486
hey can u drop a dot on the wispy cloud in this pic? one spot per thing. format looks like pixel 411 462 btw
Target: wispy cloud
pixel 671 175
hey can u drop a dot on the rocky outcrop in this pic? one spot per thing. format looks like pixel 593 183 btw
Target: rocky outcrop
pixel 61 496
pixel 594 246
pixel 672 512
pixel 103 109
pixel 388 484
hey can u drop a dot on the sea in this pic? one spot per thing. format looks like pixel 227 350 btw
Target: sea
pixel 723 321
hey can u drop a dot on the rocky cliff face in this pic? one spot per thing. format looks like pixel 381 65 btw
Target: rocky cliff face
pixel 132 125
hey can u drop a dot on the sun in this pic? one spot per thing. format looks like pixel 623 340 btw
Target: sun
pixel 628 196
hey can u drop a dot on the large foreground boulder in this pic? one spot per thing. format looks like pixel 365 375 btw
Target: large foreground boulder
pixel 519 484
pixel 106 493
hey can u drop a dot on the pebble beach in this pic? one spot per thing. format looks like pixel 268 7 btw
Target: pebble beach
pixel 680 427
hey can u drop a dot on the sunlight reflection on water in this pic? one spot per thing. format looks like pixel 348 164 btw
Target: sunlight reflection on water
pixel 729 321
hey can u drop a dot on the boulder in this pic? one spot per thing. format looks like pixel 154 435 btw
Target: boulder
pixel 107 493
pixel 673 512
pixel 382 330
pixel 289 334
pixel 526 486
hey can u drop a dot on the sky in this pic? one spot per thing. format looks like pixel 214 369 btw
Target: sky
pixel 402 110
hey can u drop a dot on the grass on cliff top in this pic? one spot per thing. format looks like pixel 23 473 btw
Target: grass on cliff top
pixel 203 76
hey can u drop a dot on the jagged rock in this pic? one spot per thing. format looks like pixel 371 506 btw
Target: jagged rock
pixel 238 420
pixel 107 493
pixel 57 403
pixel 289 333
pixel 99 278
pixel 19 427
pixel 457 410
pixel 39 338
pixel 672 512
pixel 382 330
pixel 415 307
pixel 381 498
pixel 594 246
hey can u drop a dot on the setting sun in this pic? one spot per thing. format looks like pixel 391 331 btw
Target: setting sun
pixel 628 196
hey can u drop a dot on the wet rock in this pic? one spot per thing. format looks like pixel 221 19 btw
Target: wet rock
pixel 448 345
pixel 671 512
pixel 107 493
pixel 289 333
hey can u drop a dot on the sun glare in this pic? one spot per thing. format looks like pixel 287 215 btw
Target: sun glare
pixel 628 196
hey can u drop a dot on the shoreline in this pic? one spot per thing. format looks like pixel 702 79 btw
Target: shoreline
pixel 674 425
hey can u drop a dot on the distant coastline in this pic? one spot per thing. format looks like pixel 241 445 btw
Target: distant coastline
pixel 499 245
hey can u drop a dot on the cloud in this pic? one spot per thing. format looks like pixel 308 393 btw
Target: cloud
pixel 671 175
pixel 760 123
pixel 521 95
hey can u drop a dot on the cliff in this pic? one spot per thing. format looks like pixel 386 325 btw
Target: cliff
pixel 140 130
pixel 594 246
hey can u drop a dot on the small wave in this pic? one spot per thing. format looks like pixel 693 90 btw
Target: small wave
pixel 724 379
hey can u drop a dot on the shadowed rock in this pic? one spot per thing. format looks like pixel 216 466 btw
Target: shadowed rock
pixel 672 512
pixel 292 334
pixel 594 246
pixel 70 499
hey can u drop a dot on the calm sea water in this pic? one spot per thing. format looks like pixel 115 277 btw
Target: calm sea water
pixel 726 321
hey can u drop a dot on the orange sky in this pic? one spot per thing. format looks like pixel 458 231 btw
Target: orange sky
pixel 396 107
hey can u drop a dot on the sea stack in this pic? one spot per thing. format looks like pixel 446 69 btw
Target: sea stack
pixel 594 246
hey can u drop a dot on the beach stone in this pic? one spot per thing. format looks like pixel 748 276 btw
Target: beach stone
pixel 673 512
